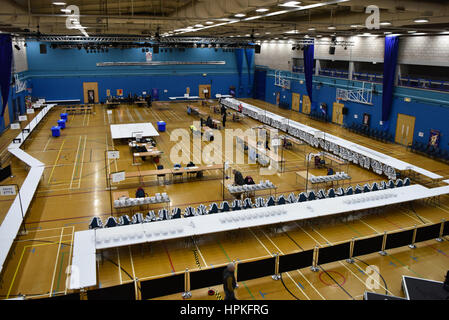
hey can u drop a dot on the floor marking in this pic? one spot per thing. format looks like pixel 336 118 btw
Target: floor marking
pixel 119 267
pixel 377 232
pixel 76 162
pixel 229 259
pixel 82 163
pixel 57 257
pixel 56 161
pixel 46 145
pixel 132 262
pixel 169 259
pixel 70 258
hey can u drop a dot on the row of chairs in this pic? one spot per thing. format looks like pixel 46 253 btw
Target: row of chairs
pixel 318 115
pixel 428 150
pixel 237 204
pixel 376 134
pixel 78 109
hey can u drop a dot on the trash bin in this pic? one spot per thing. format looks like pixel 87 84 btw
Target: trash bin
pixel 64 116
pixel 161 126
pixel 56 131
pixel 61 123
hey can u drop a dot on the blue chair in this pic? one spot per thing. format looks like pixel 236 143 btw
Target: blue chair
pixel 213 208
pixel 311 196
pixel 349 191
pixel 111 222
pixel 138 218
pixel 358 189
pixel 95 223
pixel 375 187
pixel 260 202
pixel 176 213
pixel 391 184
pixel 366 188
pixel 399 183
pixel 247 204
pixel 406 182
pixel 151 216
pixel 124 220
pixel 383 185
pixel 271 202
pixel 236 205
pixel 189 212
pixel 202 210
pixel 302 197
pixel 163 213
pixel 331 193
pixel 225 207
pixel 340 192
pixel 281 200
pixel 291 198
pixel 321 194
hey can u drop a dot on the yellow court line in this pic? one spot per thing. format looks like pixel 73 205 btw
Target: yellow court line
pixel 82 162
pixel 70 258
pixel 20 262
pixel 75 163
pixel 56 263
pixel 119 266
pixel 56 161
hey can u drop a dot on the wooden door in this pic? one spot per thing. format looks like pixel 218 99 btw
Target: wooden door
pixel 204 91
pixel 306 105
pixel 296 97
pixel 405 129
pixel 87 86
pixel 337 113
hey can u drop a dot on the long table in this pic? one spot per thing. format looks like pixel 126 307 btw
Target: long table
pixel 13 219
pixel 129 130
pixel 89 242
pixel 367 158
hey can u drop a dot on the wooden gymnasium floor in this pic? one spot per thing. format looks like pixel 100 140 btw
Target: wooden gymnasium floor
pixel 73 190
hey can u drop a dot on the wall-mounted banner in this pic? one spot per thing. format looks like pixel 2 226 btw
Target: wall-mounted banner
pixel 434 139
pixel 120 92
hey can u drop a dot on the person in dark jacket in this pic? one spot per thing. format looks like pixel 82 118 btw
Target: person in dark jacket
pixel 224 119
pixel 238 178
pixel 223 109
pixel 209 122
pixel 229 283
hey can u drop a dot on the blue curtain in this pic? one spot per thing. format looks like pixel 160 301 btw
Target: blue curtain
pixel 5 68
pixel 239 57
pixel 308 69
pixel 249 61
pixel 390 63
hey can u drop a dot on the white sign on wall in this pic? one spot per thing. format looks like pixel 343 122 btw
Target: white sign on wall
pixel 118 176
pixel 149 56
pixel 7 190
pixel 421 134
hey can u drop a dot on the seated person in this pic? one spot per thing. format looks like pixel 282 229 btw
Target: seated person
pixel 140 193
pixel 330 171
pixel 141 149
pixel 191 164
pixel 238 178
pixel 209 122
pixel 249 180
pixel 189 110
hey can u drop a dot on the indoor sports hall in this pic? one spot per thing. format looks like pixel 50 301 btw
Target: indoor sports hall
pixel 224 150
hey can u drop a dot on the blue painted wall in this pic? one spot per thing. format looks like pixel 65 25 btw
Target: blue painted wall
pixel 60 73
pixel 430 108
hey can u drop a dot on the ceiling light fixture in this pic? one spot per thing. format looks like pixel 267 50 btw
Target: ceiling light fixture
pixel 262 10
pixel 421 20
pixel 240 15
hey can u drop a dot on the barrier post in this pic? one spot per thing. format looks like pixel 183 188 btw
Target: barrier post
pixel 137 289
pixel 440 238
pixel 412 245
pixel 314 267
pixel 351 251
pixel 187 294
pixel 276 275
pixel 384 243
pixel 83 294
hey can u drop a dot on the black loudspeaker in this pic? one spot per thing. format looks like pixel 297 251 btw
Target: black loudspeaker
pixel 155 49
pixel 345 111
pixel 43 49
pixel 257 49
pixel 332 50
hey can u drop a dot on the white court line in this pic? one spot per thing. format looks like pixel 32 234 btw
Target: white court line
pixel 76 160
pixel 119 266
pixel 299 271
pixel 56 263
pixel 268 251
pixel 82 163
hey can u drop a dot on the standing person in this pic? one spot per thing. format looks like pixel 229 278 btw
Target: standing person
pixel 223 109
pixel 238 178
pixel 229 283
pixel 224 119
